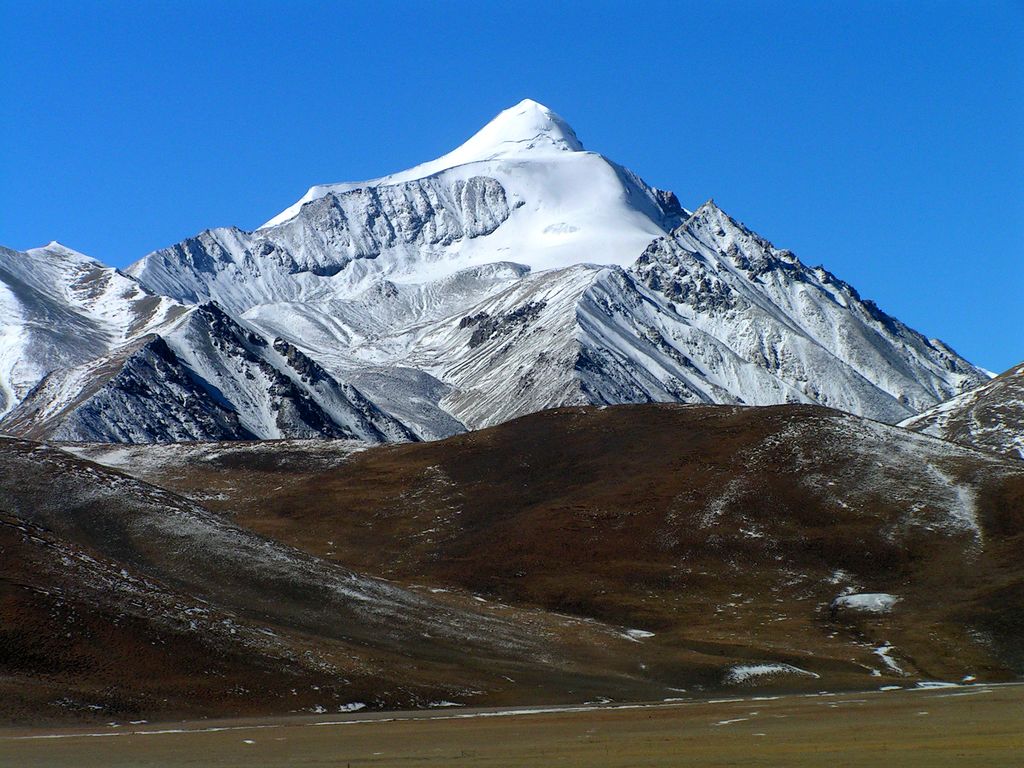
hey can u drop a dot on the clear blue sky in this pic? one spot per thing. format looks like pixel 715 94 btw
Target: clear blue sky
pixel 883 140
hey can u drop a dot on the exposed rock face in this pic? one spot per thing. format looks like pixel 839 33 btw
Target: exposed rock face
pixel 239 269
pixel 486 327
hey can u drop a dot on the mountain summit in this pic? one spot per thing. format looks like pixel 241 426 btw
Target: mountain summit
pixel 528 128
pixel 516 273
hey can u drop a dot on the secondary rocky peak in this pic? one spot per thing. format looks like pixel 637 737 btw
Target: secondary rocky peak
pixel 54 248
pixel 714 227
pixel 710 211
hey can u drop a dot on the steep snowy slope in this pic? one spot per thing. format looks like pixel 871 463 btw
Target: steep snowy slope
pixel 990 417
pixel 526 126
pixel 60 308
pixel 206 378
pixel 521 190
pixel 801 324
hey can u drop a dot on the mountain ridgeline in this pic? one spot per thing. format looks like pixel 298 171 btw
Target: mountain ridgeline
pixel 517 273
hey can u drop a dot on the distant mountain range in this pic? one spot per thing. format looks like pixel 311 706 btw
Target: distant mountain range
pixel 517 273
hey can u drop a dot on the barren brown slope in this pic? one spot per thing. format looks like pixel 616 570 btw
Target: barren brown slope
pixel 725 531
pixel 990 417
pixel 122 600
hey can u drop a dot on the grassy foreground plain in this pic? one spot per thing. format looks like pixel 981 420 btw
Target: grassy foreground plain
pixel 979 725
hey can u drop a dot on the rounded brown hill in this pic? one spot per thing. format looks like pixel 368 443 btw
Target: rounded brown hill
pixel 119 600
pixel 759 536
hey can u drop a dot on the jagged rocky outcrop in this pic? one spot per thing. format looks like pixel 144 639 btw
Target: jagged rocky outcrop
pixel 208 378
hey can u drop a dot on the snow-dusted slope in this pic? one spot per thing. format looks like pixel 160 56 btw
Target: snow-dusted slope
pixel 990 417
pixel 60 308
pixel 521 190
pixel 584 334
pixel 139 393
pixel 206 378
pixel 711 314
pixel 518 272
pixel 801 324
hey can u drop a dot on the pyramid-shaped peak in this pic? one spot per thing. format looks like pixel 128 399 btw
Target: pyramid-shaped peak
pixel 54 248
pixel 709 206
pixel 527 126
pixel 528 131
pixel 54 245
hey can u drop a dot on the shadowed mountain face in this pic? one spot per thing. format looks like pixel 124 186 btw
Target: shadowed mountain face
pixel 741 545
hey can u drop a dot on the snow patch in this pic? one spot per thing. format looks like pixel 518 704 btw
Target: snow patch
pixel 742 673
pixel 869 602
pixel 636 635
pixel 883 652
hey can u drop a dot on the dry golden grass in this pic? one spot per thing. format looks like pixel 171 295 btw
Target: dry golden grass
pixel 977 726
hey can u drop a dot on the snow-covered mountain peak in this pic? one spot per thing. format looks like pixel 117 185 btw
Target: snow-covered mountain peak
pixel 526 131
pixel 528 126
pixel 53 248
pixel 517 272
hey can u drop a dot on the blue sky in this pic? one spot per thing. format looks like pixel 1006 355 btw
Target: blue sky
pixel 883 140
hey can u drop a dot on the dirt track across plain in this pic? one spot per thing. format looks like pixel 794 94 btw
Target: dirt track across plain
pixel 973 725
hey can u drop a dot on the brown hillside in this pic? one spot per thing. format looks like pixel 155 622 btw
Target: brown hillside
pixel 725 531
